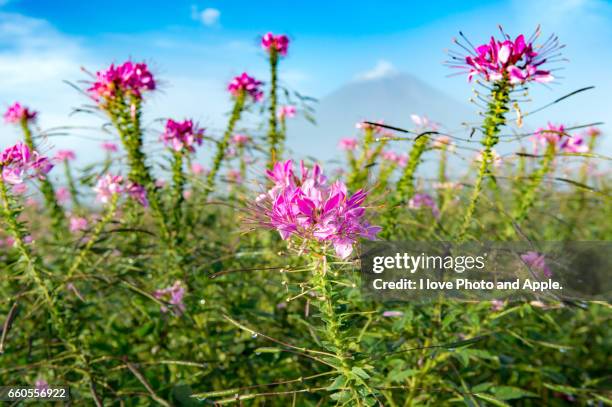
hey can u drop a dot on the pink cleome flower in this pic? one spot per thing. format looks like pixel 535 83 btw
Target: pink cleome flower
pixel 182 136
pixel 536 261
pixel 367 126
pixel 78 224
pixel 16 113
pixel 423 122
pixel 19 163
pixel 517 60
pixel 198 169
pixel 348 144
pixel 442 142
pixel 64 155
pixel 62 195
pixel 287 112
pixel 419 201
pixel 278 43
pixel 127 78
pixel 138 193
pixel 42 385
pixel 593 131
pixel 309 209
pixel 558 136
pixel 389 156
pixel 551 134
pixel 174 295
pixel 20 189
pixel 392 314
pixel 245 84
pixel 109 147
pixel 393 157
pixel 575 144
pixel 497 305
pixel 240 139
pixel 108 185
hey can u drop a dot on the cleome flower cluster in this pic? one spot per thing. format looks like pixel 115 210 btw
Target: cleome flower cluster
pixel 557 136
pixel 16 113
pixel 110 185
pixel 245 84
pixel 518 60
pixel 129 77
pixel 310 209
pixel 279 43
pixel 64 155
pixel 182 136
pixel 18 163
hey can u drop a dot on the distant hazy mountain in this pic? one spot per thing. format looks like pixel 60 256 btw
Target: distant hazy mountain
pixel 392 98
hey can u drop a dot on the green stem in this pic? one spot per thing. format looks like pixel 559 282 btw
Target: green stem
pixel 520 175
pixel 282 136
pixel 10 214
pixel 223 144
pixel 361 166
pixel 442 192
pixel 178 186
pixel 405 186
pixel 529 194
pixel 580 205
pixel 27 135
pixel 495 119
pixel 273 139
pixel 127 121
pixel 58 218
pixel 335 339
pixel 584 170
pixel 125 113
pixel 110 212
pixel 243 166
pixel 71 185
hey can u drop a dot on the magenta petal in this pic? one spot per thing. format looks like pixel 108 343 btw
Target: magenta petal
pixel 343 247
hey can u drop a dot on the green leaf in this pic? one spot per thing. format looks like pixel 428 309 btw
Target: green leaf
pixel 479 388
pixel 479 354
pixel 145 330
pixel 463 358
pixel 338 383
pixel 491 399
pixel 360 372
pixel 510 393
pixel 341 396
pixel 401 375
pixel 183 395
pixel 561 388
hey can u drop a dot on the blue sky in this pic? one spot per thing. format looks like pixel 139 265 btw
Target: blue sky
pixel 195 47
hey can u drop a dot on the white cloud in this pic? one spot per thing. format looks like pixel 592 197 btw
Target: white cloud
pixel 209 16
pixel 382 69
pixel 35 58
